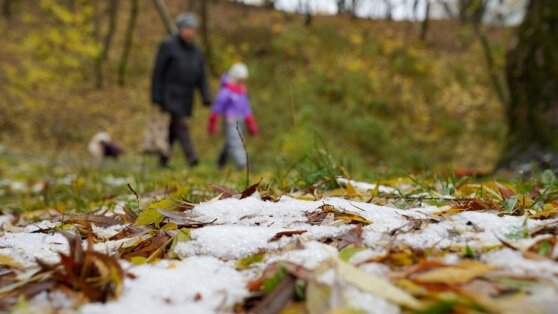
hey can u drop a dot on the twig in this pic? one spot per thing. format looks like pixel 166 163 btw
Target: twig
pixel 425 198
pixel 133 191
pixel 246 154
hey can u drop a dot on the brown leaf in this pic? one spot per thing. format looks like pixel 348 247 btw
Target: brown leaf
pixel 278 299
pixel 147 247
pixel 93 275
pixel 86 220
pixel 250 190
pixel 225 191
pixel 129 215
pixel 351 237
pixel 475 204
pixel 183 219
pixel 288 233
pixel 505 191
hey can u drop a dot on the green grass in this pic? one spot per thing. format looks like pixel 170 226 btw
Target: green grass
pixel 378 96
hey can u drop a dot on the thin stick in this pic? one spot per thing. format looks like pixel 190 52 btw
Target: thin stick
pixel 246 154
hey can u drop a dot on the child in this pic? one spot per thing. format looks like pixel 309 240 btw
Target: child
pixel 233 105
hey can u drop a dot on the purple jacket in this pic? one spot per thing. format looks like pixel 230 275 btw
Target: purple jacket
pixel 231 101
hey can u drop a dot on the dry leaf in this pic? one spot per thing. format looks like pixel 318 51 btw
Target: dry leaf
pixel 455 274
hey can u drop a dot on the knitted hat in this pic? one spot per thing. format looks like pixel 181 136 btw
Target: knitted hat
pixel 187 20
pixel 239 71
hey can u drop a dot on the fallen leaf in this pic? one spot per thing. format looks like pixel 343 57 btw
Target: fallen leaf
pixel 455 274
pixel 246 262
pixel 250 190
pixel 375 285
pixel 225 191
pixel 8 261
pixel 288 233
pixel 505 192
pixel 98 220
pixel 349 251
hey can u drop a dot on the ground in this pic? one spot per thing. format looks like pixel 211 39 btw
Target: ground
pixel 106 240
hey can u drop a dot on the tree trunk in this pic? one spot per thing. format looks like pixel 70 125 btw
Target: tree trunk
pixel 472 10
pixel 128 40
pixel 532 76
pixel 103 55
pixel 192 5
pixel 490 63
pixel 165 16
pixel 204 13
pixel 7 9
pixel 425 22
pixel 389 10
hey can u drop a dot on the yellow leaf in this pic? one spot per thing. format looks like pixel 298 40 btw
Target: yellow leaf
pixel 375 285
pixel 343 215
pixel 294 308
pixel 138 260
pixel 455 274
pixel 346 310
pixel 317 296
pixel 170 226
pixel 9 261
pixel 351 191
pixel 151 216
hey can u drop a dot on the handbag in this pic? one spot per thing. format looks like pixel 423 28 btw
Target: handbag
pixel 156 134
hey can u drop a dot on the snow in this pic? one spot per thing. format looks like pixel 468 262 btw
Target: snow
pixel 6 219
pixel 25 248
pixel 253 211
pixel 109 232
pixel 364 186
pixel 205 280
pixel 226 242
pixel 194 285
pixel 369 303
pixel 310 256
pixel 515 262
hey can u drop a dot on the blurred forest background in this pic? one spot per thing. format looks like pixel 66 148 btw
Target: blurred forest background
pixel 412 84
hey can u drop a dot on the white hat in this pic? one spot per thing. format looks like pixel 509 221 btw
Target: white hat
pixel 239 71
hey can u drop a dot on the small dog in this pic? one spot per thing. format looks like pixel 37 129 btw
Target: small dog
pixel 103 147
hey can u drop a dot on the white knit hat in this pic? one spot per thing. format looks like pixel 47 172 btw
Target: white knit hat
pixel 239 71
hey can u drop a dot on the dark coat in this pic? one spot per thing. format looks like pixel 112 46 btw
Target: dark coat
pixel 179 69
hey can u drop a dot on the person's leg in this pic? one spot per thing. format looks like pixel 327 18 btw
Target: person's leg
pixel 223 158
pixel 235 146
pixel 182 133
pixel 164 158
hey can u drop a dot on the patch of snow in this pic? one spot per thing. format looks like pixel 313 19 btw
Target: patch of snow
pixel 368 302
pixel 41 225
pixel 226 242
pixel 115 182
pixel 364 186
pixel 310 256
pixel 194 285
pixel 67 180
pixel 25 248
pixel 5 219
pixel 252 211
pixel 18 186
pixel 109 232
pixel 377 269
pixel 515 262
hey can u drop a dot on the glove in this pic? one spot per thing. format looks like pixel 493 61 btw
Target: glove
pixel 212 126
pixel 251 124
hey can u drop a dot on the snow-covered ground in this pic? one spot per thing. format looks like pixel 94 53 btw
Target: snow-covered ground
pixel 205 279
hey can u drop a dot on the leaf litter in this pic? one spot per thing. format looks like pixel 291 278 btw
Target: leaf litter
pixel 385 247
